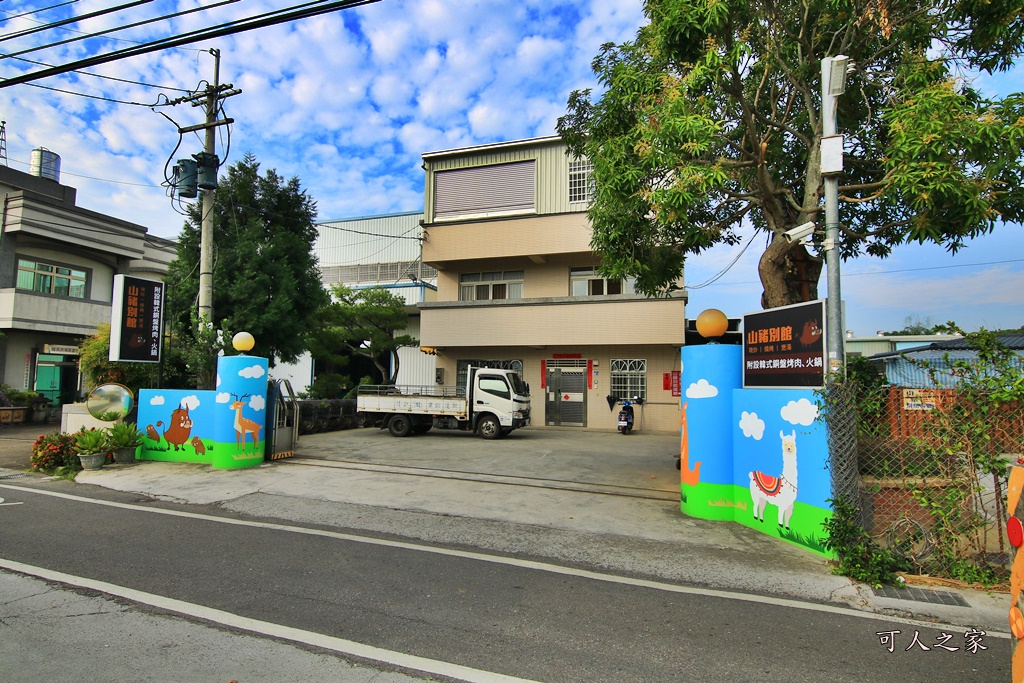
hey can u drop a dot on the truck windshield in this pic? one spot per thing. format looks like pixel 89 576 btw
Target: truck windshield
pixel 519 387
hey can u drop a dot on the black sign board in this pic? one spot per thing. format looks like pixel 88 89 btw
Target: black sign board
pixel 785 347
pixel 136 319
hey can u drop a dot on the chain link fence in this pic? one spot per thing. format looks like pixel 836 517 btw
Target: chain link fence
pixel 927 468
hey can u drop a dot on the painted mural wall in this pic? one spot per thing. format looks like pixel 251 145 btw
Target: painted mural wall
pixel 754 456
pixel 225 428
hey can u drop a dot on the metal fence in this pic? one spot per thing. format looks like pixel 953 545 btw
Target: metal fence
pixel 927 468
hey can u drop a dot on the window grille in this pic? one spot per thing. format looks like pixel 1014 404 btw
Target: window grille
pixel 462 368
pixel 581 181
pixel 629 377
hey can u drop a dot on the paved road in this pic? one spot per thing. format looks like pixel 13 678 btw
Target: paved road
pixel 443 603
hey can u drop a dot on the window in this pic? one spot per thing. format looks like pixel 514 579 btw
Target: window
pixel 584 281
pixel 581 181
pixel 37 276
pixel 496 190
pixel 495 386
pixel 629 378
pixel 495 285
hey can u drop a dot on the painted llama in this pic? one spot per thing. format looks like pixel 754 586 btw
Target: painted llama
pixel 781 490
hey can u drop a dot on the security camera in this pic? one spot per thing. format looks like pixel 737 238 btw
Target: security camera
pixel 799 232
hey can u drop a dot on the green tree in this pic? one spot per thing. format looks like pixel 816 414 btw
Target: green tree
pixel 711 118
pixel 265 277
pixel 912 324
pixel 97 368
pixel 365 323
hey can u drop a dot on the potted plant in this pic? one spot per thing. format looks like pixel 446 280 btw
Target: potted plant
pixel 124 438
pixel 92 446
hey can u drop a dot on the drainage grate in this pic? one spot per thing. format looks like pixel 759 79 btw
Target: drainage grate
pixel 921 595
pixel 14 476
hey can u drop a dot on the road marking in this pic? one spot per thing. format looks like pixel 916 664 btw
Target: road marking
pixel 340 645
pixel 524 564
pixel 2 503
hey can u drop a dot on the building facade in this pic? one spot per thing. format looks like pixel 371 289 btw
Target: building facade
pixel 57 267
pixel 374 251
pixel 505 225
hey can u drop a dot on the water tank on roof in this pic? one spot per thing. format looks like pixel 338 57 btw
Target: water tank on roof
pixel 45 164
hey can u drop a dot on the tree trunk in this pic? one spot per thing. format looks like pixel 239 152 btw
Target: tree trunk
pixel 788 273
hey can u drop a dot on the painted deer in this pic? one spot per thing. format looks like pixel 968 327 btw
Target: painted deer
pixel 781 490
pixel 688 476
pixel 244 425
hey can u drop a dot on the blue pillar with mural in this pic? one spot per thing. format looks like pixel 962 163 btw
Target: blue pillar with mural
pixel 225 428
pixel 710 373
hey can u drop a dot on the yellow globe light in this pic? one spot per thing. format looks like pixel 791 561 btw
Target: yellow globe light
pixel 712 323
pixel 243 341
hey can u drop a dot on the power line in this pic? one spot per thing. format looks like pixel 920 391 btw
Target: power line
pixel 108 78
pixel 273 18
pixel 72 20
pixel 38 11
pixel 98 97
pixel 898 270
pixel 121 27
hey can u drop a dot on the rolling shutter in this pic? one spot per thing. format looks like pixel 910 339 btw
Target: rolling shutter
pixel 485 190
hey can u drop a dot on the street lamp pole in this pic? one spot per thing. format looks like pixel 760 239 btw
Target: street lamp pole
pixel 833 83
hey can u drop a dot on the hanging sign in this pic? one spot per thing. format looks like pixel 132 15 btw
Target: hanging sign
pixel 136 319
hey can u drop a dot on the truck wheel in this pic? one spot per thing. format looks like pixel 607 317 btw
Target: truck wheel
pixel 400 425
pixel 489 427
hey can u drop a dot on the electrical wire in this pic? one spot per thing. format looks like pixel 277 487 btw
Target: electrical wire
pixel 38 11
pixel 74 19
pixel 120 27
pixel 725 270
pixel 266 19
pixel 100 97
pixel 108 78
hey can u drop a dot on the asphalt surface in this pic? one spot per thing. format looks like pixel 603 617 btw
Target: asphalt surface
pixel 595 501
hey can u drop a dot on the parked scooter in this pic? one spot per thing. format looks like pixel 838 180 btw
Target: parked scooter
pixel 626 414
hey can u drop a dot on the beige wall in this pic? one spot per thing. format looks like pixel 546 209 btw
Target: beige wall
pixel 529 236
pixel 554 322
pixel 660 413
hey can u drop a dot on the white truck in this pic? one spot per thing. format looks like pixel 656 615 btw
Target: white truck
pixel 492 404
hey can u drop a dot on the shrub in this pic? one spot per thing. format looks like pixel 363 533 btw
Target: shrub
pixel 52 452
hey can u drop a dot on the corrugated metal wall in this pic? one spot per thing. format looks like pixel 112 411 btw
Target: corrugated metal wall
pixel 552 171
pixel 373 239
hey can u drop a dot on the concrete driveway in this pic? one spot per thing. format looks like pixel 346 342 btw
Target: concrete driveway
pixel 635 464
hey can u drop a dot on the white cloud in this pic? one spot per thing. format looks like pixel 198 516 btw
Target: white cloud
pixel 751 425
pixel 223 397
pixel 257 402
pixel 801 412
pixel 701 389
pixel 157 401
pixel 191 402
pixel 252 372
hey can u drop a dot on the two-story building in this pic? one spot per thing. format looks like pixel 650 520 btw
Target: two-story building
pixel 505 225
pixel 57 267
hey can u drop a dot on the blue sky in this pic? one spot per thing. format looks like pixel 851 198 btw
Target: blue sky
pixel 348 103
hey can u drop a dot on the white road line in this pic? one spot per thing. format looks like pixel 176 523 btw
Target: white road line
pixel 340 645
pixel 525 564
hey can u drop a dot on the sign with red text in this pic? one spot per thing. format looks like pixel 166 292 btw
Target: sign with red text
pixel 136 319
pixel 785 347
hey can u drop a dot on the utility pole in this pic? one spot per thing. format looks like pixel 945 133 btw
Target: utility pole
pixel 208 167
pixel 206 234
pixel 833 84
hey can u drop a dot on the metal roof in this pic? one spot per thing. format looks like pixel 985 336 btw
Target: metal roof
pixel 940 348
